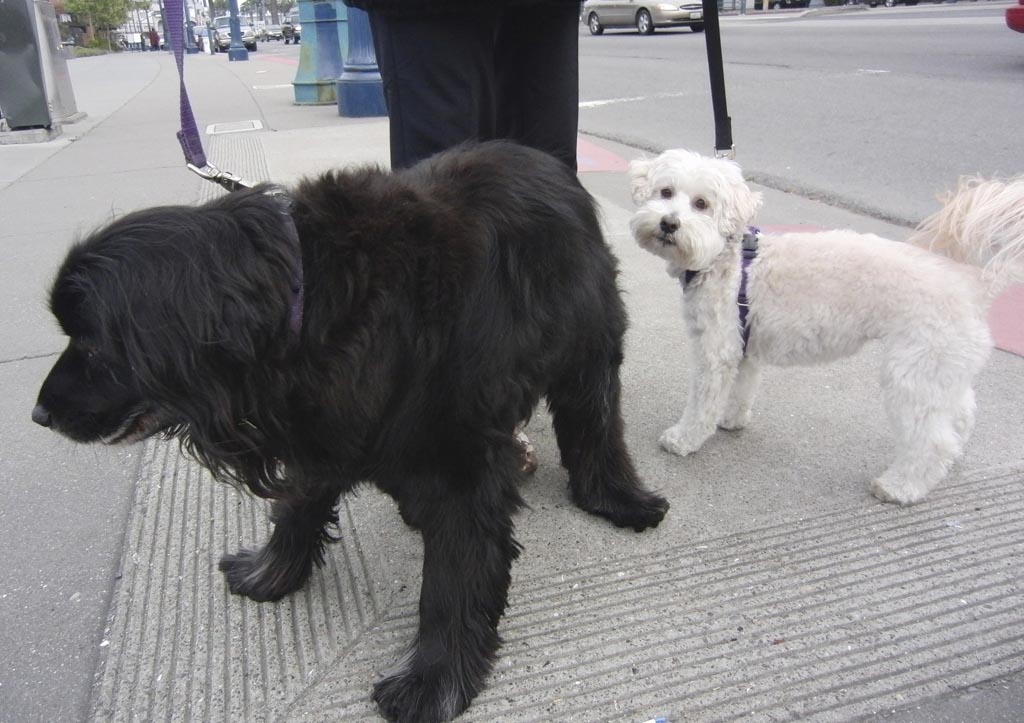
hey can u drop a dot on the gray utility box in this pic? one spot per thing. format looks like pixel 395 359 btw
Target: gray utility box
pixel 35 87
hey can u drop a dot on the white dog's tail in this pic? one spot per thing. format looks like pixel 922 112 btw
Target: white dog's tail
pixel 981 223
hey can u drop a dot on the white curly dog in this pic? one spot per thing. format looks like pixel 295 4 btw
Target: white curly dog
pixel 815 297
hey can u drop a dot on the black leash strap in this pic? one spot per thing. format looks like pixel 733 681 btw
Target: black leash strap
pixel 188 136
pixel 723 123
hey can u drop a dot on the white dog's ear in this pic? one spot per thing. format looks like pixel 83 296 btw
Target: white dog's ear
pixel 640 179
pixel 739 209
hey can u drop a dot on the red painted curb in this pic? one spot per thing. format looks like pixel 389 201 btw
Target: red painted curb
pixel 592 158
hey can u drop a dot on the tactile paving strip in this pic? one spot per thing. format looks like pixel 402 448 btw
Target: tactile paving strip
pixel 832 618
pixel 182 647
pixel 829 618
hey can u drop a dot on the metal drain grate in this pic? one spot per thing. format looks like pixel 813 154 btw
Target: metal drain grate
pixel 234 127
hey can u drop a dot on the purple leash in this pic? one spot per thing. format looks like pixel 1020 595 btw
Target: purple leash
pixel 188 136
pixel 195 159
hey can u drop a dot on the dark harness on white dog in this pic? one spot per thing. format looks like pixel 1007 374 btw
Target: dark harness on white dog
pixel 750 239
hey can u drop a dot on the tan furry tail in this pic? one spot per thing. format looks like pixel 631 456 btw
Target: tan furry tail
pixel 981 223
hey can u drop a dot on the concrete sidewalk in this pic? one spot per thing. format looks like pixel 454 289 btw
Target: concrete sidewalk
pixel 776 588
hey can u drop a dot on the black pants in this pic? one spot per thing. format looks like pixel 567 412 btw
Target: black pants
pixel 490 74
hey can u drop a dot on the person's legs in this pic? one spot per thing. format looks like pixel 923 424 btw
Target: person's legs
pixel 537 77
pixel 438 81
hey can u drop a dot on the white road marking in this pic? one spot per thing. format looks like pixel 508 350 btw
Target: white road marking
pixel 634 99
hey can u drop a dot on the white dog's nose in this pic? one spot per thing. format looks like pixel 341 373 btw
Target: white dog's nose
pixel 669 224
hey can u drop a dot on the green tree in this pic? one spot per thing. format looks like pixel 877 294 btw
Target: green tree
pixel 278 9
pixel 138 14
pixel 99 14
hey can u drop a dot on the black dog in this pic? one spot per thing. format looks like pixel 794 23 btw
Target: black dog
pixel 399 336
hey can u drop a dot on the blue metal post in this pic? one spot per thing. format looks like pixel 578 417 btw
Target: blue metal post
pixel 236 51
pixel 324 44
pixel 360 89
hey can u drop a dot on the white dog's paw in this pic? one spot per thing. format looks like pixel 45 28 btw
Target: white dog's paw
pixel 677 441
pixel 902 492
pixel 734 420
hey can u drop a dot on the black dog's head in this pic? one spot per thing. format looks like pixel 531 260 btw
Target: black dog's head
pixel 92 393
pixel 167 311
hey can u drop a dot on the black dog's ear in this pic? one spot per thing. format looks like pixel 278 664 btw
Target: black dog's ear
pixel 187 291
pixel 196 303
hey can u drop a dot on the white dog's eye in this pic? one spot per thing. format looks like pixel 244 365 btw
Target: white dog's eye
pixel 700 204
pixel 666 193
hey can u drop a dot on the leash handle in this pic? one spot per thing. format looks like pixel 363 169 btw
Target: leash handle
pixel 724 147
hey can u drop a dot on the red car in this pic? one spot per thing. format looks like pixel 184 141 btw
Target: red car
pixel 1015 17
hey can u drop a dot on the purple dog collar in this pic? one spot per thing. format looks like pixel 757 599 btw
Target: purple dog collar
pixel 296 283
pixel 298 288
pixel 298 303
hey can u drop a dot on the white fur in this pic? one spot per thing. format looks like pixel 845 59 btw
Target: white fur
pixel 815 297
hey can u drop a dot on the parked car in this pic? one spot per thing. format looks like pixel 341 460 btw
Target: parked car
pixel 1015 17
pixel 273 32
pixel 776 4
pixel 292 31
pixel 222 33
pixel 644 16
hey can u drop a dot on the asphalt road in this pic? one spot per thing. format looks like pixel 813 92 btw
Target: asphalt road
pixel 876 110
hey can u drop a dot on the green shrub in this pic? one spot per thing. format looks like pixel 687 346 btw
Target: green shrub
pixel 90 51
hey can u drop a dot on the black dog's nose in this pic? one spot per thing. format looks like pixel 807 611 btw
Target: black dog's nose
pixel 669 224
pixel 41 415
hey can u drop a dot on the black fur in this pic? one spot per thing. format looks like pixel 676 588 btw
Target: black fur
pixel 441 303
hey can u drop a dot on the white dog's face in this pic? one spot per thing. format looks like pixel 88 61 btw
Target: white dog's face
pixel 690 205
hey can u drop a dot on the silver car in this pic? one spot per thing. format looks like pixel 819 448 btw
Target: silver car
pixel 643 15
pixel 222 33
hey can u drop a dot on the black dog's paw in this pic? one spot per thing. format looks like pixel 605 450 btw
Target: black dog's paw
pixel 637 510
pixel 420 695
pixel 257 576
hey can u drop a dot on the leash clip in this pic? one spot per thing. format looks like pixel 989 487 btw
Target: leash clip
pixel 225 179
pixel 728 153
